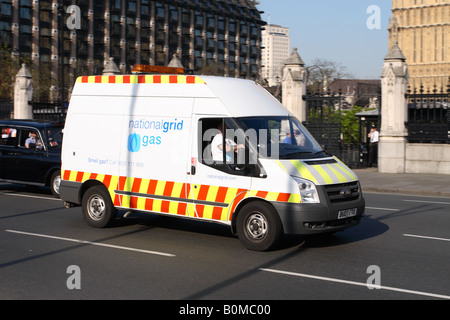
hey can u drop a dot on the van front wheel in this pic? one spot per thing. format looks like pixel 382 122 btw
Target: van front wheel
pixel 98 209
pixel 258 226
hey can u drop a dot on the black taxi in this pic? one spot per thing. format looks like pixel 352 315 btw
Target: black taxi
pixel 30 153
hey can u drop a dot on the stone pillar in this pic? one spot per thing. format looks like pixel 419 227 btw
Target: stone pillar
pixel 23 94
pixel 111 68
pixel 394 113
pixel 175 62
pixel 294 85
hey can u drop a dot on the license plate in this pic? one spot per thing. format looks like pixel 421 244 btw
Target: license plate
pixel 347 213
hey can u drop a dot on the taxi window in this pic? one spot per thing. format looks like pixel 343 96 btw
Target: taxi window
pixel 8 137
pixel 30 137
pixel 54 137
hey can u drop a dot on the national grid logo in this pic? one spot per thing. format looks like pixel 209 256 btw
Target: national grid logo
pixel 134 143
pixel 137 141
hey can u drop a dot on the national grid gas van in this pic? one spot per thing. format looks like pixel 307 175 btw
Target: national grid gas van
pixel 206 148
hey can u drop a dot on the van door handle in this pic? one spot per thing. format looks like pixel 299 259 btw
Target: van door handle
pixel 193 170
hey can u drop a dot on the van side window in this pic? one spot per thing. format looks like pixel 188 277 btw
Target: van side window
pixel 8 137
pixel 208 130
pixel 221 146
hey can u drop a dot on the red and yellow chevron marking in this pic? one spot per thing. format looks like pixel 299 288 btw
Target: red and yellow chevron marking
pixel 142 79
pixel 211 202
pixel 109 181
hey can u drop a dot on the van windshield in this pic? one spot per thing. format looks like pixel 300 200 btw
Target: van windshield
pixel 280 138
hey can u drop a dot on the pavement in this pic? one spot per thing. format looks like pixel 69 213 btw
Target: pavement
pixel 436 185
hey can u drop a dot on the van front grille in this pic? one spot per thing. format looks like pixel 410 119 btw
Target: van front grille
pixel 320 162
pixel 343 192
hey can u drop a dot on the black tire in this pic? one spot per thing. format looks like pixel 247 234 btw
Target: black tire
pixel 55 182
pixel 97 207
pixel 258 226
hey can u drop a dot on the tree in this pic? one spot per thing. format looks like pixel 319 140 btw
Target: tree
pixel 350 123
pixel 42 81
pixel 323 72
pixel 8 70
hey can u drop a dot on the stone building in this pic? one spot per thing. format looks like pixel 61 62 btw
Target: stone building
pixel 276 49
pixel 221 37
pixel 422 30
pixel 358 92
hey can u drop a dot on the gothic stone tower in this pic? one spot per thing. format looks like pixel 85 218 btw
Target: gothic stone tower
pixel 422 30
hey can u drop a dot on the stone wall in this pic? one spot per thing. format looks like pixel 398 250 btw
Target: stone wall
pixel 395 154
pixel 427 158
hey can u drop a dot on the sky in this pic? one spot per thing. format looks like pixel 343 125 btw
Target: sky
pixel 336 30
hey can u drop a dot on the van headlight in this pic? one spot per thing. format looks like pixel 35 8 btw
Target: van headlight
pixel 308 190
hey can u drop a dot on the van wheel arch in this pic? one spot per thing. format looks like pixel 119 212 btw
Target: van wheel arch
pixel 257 224
pixel 238 209
pixel 236 213
pixel 87 185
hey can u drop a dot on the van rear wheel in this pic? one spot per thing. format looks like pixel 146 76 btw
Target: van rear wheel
pixel 97 207
pixel 258 226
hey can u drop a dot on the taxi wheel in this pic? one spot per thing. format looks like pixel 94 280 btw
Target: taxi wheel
pixel 55 182
pixel 258 226
pixel 97 207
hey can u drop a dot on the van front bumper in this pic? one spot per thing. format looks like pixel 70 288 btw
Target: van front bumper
pixel 304 218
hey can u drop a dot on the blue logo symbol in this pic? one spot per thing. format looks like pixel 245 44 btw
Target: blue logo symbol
pixel 134 143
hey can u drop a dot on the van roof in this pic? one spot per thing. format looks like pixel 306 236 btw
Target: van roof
pixel 242 98
pixel 30 123
pixel 245 98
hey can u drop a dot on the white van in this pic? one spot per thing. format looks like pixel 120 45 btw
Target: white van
pixel 153 143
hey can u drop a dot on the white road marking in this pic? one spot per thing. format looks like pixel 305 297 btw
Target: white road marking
pixel 302 275
pixel 92 243
pixel 425 237
pixel 28 196
pixel 433 202
pixel 385 209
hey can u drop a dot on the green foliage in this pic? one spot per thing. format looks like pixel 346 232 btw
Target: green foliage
pixel 42 81
pixel 350 123
pixel 9 67
pixel 8 70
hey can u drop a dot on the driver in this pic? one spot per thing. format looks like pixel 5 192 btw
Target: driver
pixel 33 140
pixel 217 146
